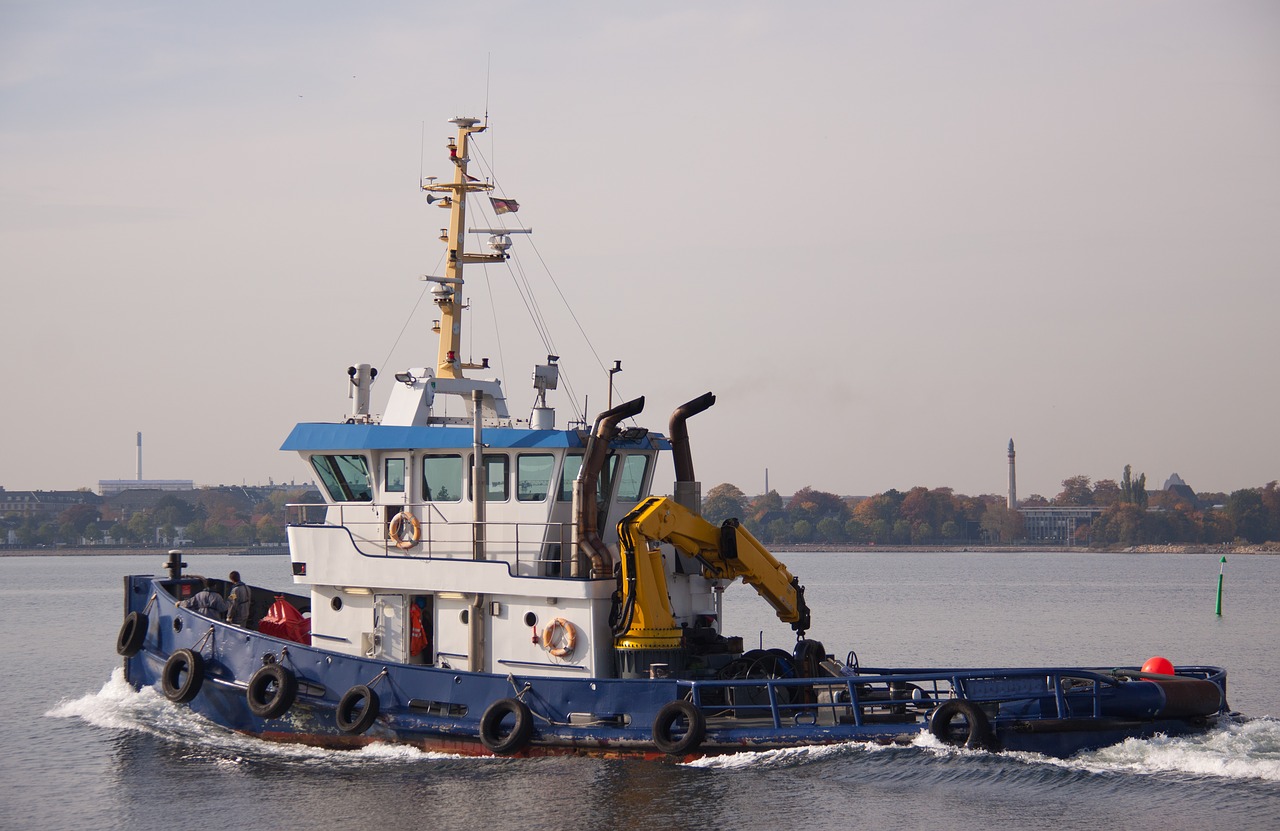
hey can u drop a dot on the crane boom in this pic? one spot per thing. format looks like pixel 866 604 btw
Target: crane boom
pixel 726 552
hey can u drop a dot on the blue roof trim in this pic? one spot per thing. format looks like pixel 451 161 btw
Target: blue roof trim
pixel 313 437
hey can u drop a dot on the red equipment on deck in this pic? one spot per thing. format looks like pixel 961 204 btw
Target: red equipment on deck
pixel 282 620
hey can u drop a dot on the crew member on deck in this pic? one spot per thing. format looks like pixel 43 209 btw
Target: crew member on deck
pixel 238 610
pixel 206 602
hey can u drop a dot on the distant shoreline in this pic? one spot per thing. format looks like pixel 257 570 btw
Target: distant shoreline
pixel 100 551
pixel 1172 548
pixel 848 548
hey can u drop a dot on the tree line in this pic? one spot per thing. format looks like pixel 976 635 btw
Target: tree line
pixel 1130 515
pixel 208 517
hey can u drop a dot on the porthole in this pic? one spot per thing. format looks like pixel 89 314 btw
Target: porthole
pixel 530 619
pixel 177 624
pixel 464 616
pixel 336 603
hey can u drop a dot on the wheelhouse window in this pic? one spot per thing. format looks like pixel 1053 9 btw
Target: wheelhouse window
pixel 572 464
pixel 533 476
pixel 631 479
pixel 442 478
pixel 497 475
pixel 393 478
pixel 344 476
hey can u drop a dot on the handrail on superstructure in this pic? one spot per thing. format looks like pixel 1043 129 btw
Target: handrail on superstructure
pixel 515 547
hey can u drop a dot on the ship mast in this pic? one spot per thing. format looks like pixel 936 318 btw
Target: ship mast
pixel 448 290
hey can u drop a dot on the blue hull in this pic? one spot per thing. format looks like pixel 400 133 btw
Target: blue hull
pixel 1055 711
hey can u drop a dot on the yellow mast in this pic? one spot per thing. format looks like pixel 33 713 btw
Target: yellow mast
pixel 449 288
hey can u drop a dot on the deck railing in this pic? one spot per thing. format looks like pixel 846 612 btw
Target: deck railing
pixel 907 696
pixel 533 548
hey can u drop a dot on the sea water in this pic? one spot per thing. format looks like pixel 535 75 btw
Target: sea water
pixel 80 749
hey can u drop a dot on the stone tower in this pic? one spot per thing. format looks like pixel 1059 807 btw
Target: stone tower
pixel 1013 485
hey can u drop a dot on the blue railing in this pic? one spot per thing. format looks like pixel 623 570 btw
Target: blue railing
pixel 908 696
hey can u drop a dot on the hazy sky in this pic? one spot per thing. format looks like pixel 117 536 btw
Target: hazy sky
pixel 889 236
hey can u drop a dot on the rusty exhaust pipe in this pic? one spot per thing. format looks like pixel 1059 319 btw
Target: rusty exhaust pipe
pixel 585 510
pixel 688 491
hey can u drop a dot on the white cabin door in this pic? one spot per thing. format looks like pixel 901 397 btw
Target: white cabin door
pixel 391 622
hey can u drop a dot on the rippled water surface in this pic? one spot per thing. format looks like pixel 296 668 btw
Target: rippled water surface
pixel 82 750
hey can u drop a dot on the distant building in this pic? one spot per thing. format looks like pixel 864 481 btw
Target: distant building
pixel 1048 524
pixel 1181 491
pixel 1056 524
pixel 122 504
pixel 111 487
pixel 43 503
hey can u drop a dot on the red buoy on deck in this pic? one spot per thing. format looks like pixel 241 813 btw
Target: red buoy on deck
pixel 1158 665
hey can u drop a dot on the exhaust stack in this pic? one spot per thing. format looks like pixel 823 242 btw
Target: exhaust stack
pixel 688 490
pixel 585 511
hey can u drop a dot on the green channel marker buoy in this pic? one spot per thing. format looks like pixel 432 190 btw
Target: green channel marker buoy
pixel 1221 569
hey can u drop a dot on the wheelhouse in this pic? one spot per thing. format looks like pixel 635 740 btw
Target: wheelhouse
pixel 396 539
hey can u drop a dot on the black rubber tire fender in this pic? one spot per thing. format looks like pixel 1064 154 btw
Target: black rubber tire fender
pixel 350 715
pixel 979 735
pixel 266 702
pixel 665 722
pixel 132 633
pixel 491 727
pixel 182 676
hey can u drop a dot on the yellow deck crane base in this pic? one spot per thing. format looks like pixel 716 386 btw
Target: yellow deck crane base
pixel 726 552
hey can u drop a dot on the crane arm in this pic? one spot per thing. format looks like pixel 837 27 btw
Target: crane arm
pixel 726 552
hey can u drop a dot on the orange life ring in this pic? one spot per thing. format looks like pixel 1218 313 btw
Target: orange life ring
pixel 550 634
pixel 397 524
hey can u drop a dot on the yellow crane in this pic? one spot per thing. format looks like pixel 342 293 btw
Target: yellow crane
pixel 726 552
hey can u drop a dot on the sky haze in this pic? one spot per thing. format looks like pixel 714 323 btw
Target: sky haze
pixel 888 236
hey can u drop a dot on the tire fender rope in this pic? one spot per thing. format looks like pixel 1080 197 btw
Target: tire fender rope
pixel 491 727
pixel 978 734
pixel 271 691
pixel 132 633
pixel 182 676
pixel 357 709
pixel 664 727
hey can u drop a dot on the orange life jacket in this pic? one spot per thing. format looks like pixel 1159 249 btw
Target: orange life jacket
pixel 417 635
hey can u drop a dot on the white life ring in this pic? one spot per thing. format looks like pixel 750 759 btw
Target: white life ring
pixel 552 633
pixel 397 525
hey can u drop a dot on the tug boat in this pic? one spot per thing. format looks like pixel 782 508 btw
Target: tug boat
pixel 488 585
